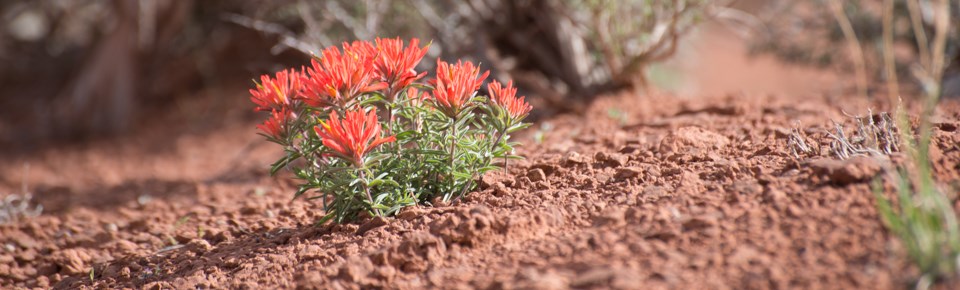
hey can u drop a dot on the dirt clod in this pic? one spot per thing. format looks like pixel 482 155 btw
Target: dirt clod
pixel 199 246
pixel 612 159
pixel 373 223
pixel 843 172
pixel 536 174
pixel 629 172
pixel 692 137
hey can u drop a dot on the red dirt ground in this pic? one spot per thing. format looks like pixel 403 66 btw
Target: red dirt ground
pixel 651 191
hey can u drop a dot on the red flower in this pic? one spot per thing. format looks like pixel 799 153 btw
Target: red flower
pixel 455 85
pixel 338 78
pixel 276 127
pixel 506 99
pixel 396 64
pixel 354 136
pixel 276 93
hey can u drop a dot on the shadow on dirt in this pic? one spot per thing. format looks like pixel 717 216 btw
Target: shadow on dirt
pixel 59 200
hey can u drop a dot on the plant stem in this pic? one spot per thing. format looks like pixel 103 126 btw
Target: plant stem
pixel 853 43
pixel 453 147
pixel 492 147
pixel 366 189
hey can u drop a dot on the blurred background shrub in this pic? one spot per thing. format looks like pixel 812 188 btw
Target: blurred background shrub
pixel 809 33
pixel 74 69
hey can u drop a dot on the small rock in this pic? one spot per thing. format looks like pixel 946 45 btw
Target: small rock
pixel 536 175
pixel 72 261
pixel 217 236
pixel 700 222
pixel 575 158
pixel 410 212
pixel 628 173
pixel 199 246
pixel 612 159
pixel 651 170
pixel 373 223
pixel 843 172
pixel 630 149
pixel 126 247
pixel 692 137
pixel 23 240
pixel 111 228
pixel 249 210
pixel 595 277
pixel 548 169
pixel 157 286
pixel 27 255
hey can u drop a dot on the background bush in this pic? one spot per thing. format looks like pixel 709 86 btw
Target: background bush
pixel 105 61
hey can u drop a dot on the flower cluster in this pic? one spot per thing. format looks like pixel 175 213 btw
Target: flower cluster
pixel 353 137
pixel 361 128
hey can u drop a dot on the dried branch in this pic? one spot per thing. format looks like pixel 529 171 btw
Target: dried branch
pixel 287 38
pixel 893 88
pixel 916 22
pixel 853 43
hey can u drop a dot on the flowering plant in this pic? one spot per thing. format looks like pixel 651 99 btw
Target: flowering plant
pixel 367 135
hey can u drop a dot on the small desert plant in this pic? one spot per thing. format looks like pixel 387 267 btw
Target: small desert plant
pixel 925 223
pixel 875 134
pixel 359 127
pixel 15 207
pixel 925 220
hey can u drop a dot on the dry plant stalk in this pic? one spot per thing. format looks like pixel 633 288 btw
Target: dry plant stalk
pixel 15 207
pixel 856 51
pixel 893 88
pixel 875 134
pixel 797 142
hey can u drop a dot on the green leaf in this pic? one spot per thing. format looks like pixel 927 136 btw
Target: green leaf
pixel 518 127
pixel 462 175
pixel 406 135
pixel 290 157
pixel 325 218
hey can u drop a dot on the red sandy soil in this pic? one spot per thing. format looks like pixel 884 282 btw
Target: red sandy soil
pixel 648 191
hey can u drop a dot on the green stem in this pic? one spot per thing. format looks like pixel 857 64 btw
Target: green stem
pixel 366 189
pixel 453 147
pixel 490 158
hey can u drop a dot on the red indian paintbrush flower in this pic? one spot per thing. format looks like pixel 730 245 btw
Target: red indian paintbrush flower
pixel 276 93
pixel 354 136
pixel 276 126
pixel 396 64
pixel 338 78
pixel 506 99
pixel 455 85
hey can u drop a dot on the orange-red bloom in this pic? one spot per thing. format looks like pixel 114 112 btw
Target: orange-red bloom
pixel 338 78
pixel 396 64
pixel 455 85
pixel 277 125
pixel 277 93
pixel 354 136
pixel 506 99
